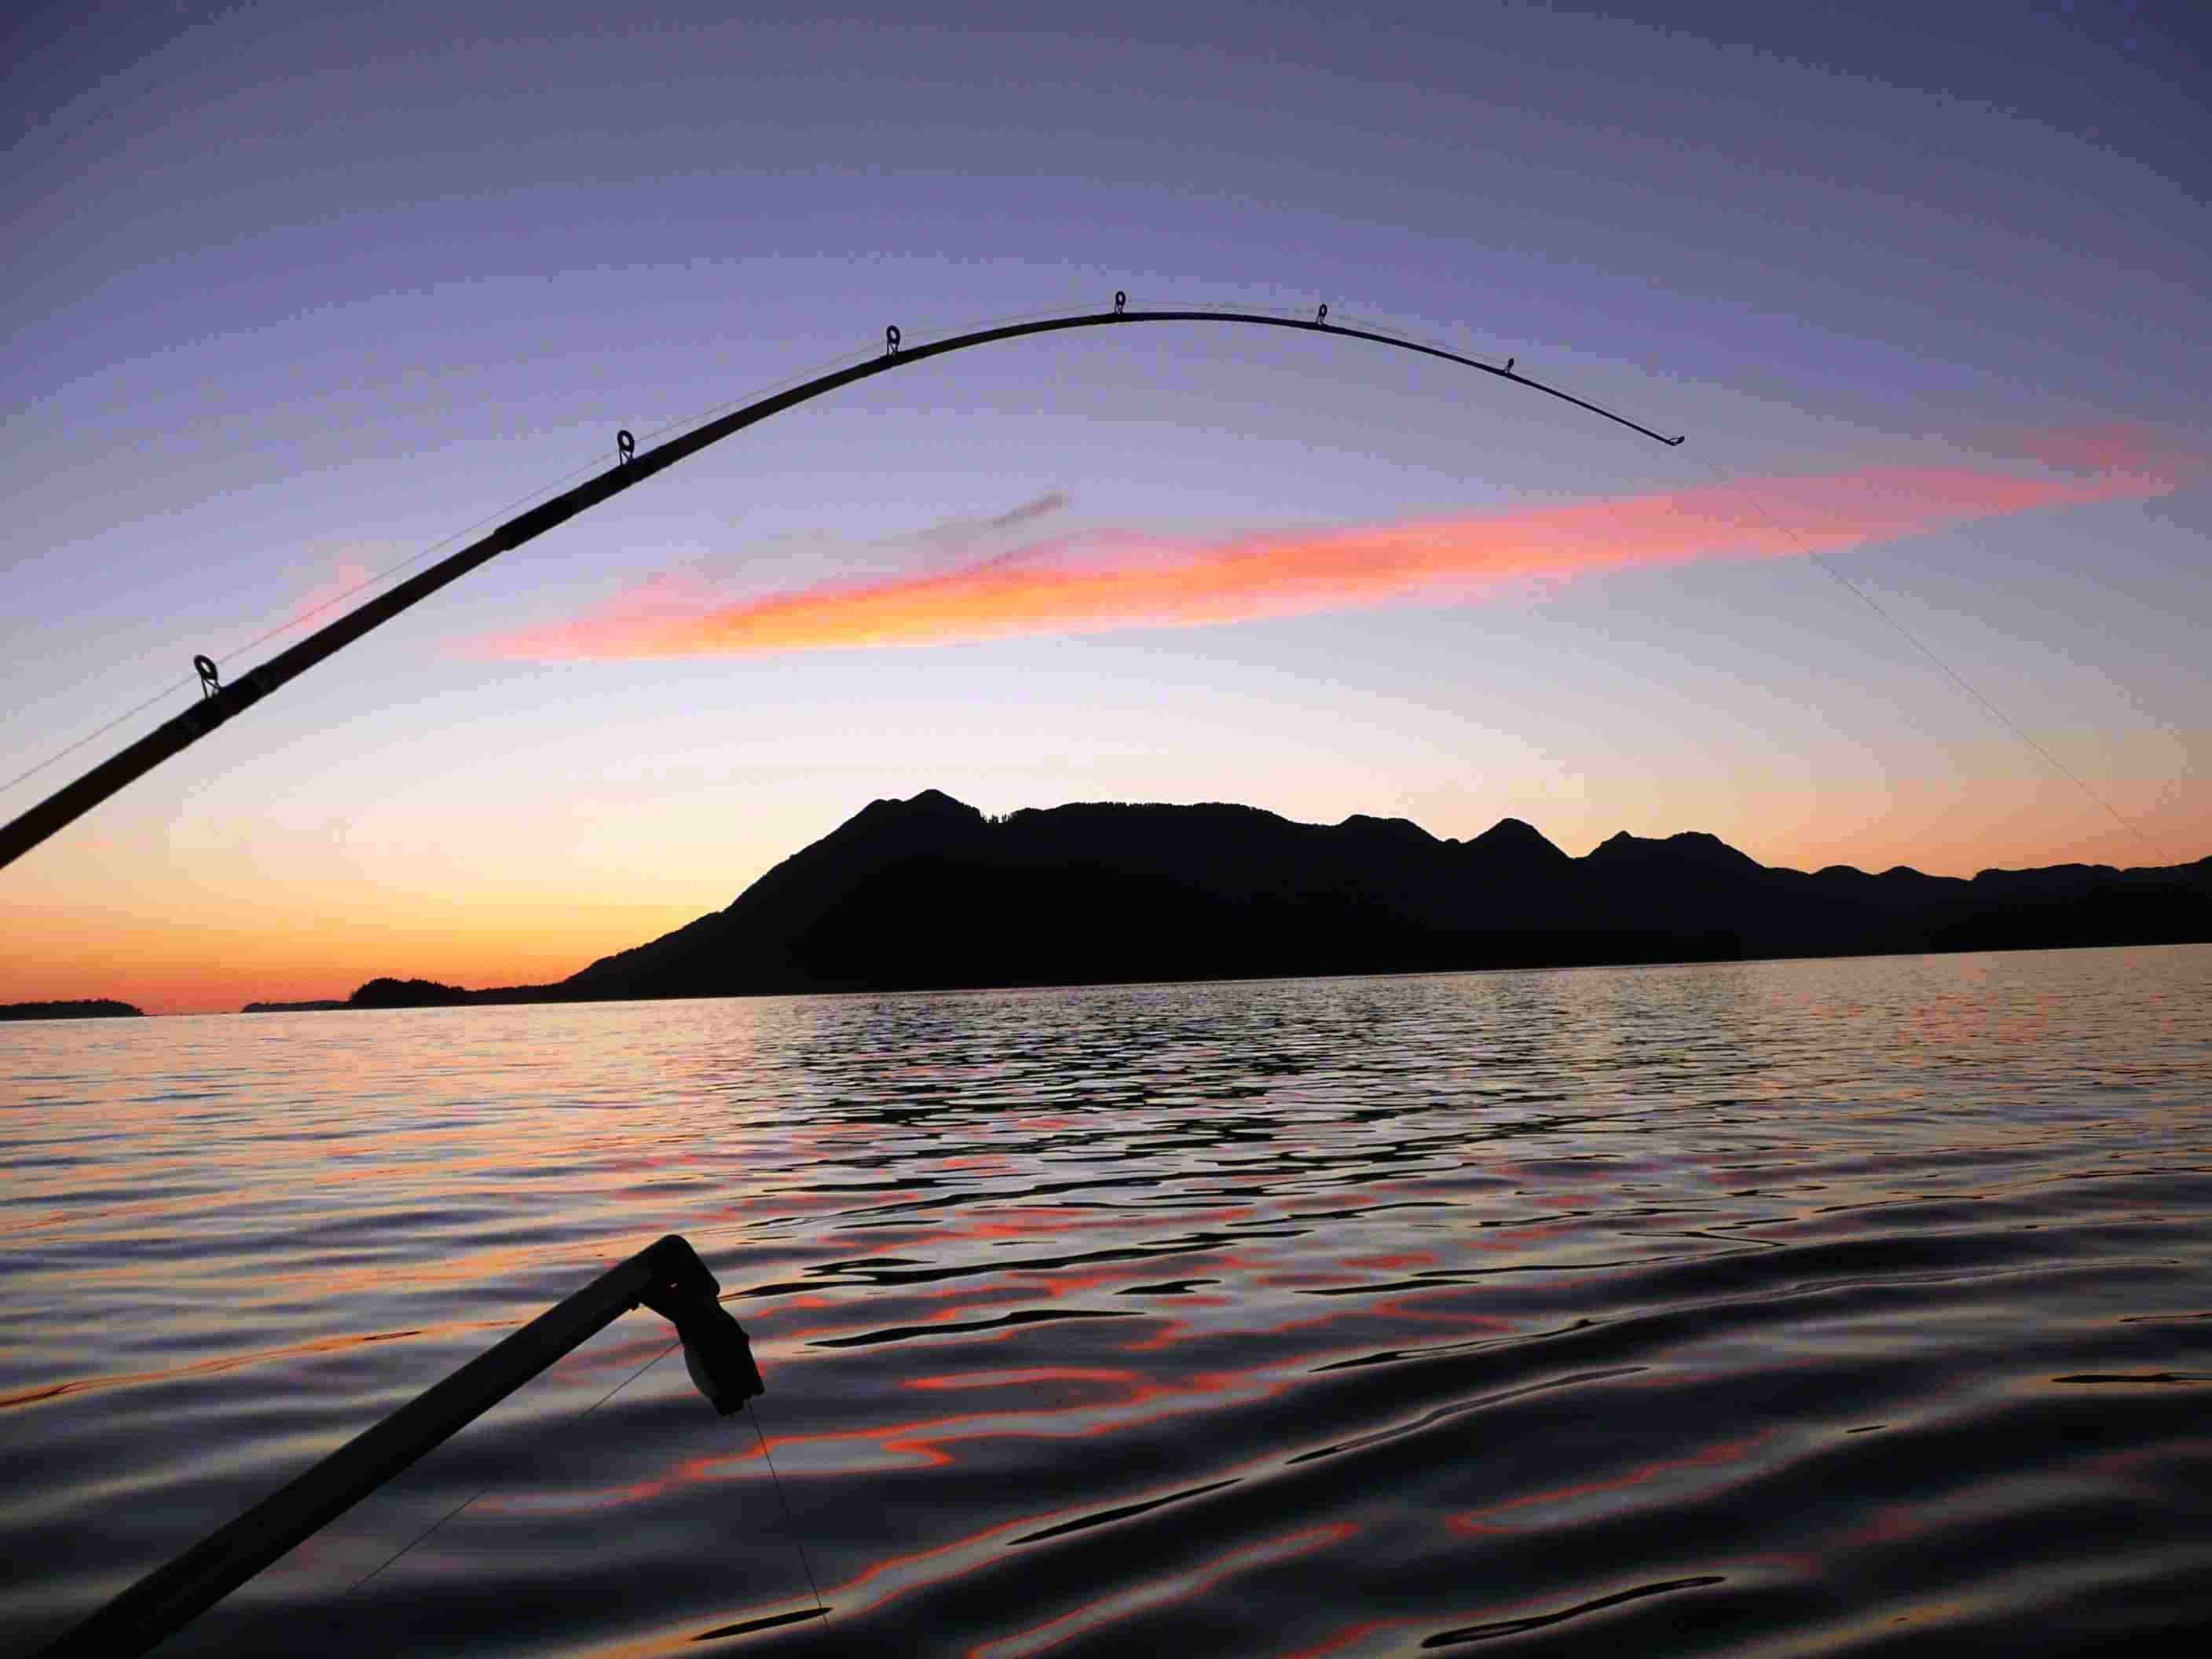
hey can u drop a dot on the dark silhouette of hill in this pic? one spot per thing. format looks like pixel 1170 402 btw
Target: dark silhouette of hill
pixel 929 893
pixel 318 1006
pixel 95 1008
pixel 408 994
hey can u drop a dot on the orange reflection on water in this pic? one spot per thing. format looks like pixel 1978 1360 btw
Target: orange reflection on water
pixel 1019 1378
pixel 1395 1259
pixel 1713 1456
pixel 1351 1636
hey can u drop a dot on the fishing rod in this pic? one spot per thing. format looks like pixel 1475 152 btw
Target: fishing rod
pixel 219 701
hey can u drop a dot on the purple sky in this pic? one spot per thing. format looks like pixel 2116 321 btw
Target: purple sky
pixel 290 296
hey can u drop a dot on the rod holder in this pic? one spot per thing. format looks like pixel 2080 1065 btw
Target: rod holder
pixel 667 1276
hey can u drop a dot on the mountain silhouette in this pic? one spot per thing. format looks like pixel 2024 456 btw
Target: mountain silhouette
pixel 929 893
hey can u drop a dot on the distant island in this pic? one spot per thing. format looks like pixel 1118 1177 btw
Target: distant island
pixel 931 894
pixel 96 1008
pixel 377 993
pixel 408 994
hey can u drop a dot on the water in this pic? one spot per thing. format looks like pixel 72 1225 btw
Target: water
pixel 1773 1308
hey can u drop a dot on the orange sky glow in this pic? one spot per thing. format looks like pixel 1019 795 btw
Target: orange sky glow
pixel 309 898
pixel 1102 582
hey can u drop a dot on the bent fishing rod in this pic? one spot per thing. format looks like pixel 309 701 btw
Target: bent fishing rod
pixel 219 701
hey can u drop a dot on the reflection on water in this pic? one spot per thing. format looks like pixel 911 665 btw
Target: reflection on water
pixel 1758 1307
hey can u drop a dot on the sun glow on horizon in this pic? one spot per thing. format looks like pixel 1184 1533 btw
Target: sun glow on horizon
pixel 388 872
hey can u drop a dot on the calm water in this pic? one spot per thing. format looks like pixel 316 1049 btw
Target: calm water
pixel 1776 1308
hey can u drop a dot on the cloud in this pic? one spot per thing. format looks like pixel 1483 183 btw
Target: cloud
pixel 957 541
pixel 2123 448
pixel 320 603
pixel 325 596
pixel 1051 502
pixel 1111 580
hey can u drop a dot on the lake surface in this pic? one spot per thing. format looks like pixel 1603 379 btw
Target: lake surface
pixel 1857 1307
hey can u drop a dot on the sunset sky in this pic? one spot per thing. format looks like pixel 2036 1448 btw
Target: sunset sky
pixel 292 297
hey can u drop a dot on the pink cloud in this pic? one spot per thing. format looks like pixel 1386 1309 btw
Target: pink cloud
pixel 1125 581
pixel 322 598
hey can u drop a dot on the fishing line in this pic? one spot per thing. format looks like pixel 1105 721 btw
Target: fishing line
pixel 309 614
pixel 219 702
pixel 488 1485
pixel 1922 646
pixel 40 766
pixel 790 1525
pixel 377 579
pixel 685 422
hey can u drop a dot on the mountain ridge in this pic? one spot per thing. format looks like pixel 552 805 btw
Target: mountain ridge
pixel 930 893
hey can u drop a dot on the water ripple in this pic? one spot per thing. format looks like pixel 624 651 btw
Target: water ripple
pixel 1740 1309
